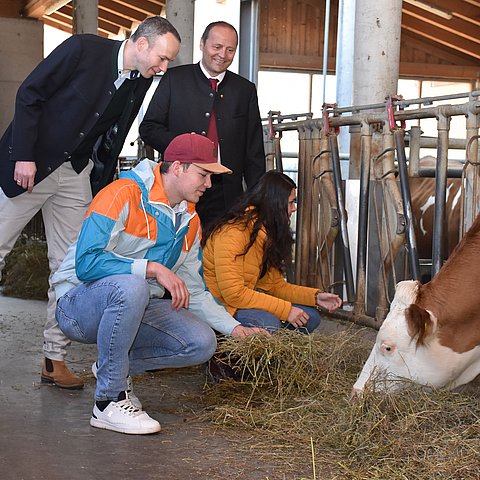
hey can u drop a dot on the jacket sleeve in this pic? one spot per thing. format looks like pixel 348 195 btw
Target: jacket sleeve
pixel 202 302
pixel 230 274
pixel 274 284
pixel 154 129
pixel 255 153
pixel 50 75
pixel 99 234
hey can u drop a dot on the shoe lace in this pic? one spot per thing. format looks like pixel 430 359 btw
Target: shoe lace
pixel 127 407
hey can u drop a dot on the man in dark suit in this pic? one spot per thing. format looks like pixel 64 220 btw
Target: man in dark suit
pixel 80 100
pixel 185 101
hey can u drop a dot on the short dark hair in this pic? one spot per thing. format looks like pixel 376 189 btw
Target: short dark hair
pixel 165 166
pixel 153 27
pixel 220 23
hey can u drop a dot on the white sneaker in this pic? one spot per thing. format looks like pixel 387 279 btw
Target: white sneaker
pixel 131 394
pixel 124 417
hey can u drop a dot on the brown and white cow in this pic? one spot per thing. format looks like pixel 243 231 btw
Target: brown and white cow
pixel 432 332
pixel 423 206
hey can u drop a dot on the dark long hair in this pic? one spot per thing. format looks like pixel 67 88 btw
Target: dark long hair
pixel 265 205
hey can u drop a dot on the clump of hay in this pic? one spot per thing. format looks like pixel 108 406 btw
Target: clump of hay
pixel 26 270
pixel 296 390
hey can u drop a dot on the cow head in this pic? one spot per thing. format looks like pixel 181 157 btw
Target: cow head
pixel 406 346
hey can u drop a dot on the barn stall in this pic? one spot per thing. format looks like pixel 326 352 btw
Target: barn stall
pixel 354 250
pixel 410 436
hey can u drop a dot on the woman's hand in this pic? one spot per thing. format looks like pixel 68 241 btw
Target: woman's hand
pixel 328 301
pixel 297 317
pixel 240 331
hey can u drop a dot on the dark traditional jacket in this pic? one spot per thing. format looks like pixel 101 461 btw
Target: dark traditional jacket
pixel 183 103
pixel 59 103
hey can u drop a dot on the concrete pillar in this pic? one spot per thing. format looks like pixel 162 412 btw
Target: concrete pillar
pixel 344 70
pixel 377 50
pixel 376 61
pixel 376 67
pixel 85 16
pixel 249 42
pixel 21 52
pixel 181 13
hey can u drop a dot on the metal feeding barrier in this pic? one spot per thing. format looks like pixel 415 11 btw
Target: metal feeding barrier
pixel 381 222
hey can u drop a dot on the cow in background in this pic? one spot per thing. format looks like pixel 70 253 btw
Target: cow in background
pixel 423 205
pixel 432 333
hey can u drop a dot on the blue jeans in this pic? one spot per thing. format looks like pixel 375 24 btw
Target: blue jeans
pixel 133 333
pixel 251 317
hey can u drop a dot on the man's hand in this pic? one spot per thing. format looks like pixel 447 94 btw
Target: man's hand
pixel 329 301
pixel 24 175
pixel 240 331
pixel 297 317
pixel 172 282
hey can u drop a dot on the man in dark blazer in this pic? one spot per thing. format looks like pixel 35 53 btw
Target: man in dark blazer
pixel 73 111
pixel 185 102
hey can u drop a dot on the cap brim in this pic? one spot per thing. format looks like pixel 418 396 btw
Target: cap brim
pixel 213 167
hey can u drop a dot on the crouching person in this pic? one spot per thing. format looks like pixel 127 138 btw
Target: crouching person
pixel 132 283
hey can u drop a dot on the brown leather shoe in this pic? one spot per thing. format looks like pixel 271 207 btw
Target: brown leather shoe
pixel 55 372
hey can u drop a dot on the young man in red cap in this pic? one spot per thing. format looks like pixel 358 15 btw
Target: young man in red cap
pixel 132 282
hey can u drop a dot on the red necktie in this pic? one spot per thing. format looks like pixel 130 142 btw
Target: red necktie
pixel 212 133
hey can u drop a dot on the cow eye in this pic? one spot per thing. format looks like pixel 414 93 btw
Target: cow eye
pixel 387 349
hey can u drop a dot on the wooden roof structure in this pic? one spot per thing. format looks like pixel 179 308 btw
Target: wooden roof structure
pixel 114 16
pixel 440 38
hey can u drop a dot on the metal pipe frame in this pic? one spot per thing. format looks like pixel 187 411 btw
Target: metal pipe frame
pixel 302 203
pixel 443 114
pixel 337 179
pixel 380 117
pixel 398 134
pixel 365 142
pixel 443 127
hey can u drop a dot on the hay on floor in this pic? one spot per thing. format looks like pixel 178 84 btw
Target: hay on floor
pixel 296 391
pixel 26 270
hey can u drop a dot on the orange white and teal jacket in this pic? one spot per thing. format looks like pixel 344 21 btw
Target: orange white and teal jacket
pixel 131 222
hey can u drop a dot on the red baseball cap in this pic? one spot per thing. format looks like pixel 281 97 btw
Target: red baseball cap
pixel 196 149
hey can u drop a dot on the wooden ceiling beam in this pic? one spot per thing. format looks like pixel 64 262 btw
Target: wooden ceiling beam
pixel 413 40
pixel 458 7
pixel 114 19
pixel 60 25
pixel 61 19
pixel 103 25
pixel 407 69
pixel 450 40
pixel 52 22
pixel 435 71
pixel 39 8
pixel 297 62
pixel 121 10
pixel 146 7
pixel 454 25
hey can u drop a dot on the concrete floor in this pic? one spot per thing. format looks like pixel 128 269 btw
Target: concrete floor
pixel 45 431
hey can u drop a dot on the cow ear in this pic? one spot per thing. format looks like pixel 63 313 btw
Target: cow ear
pixel 420 323
pixel 405 294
